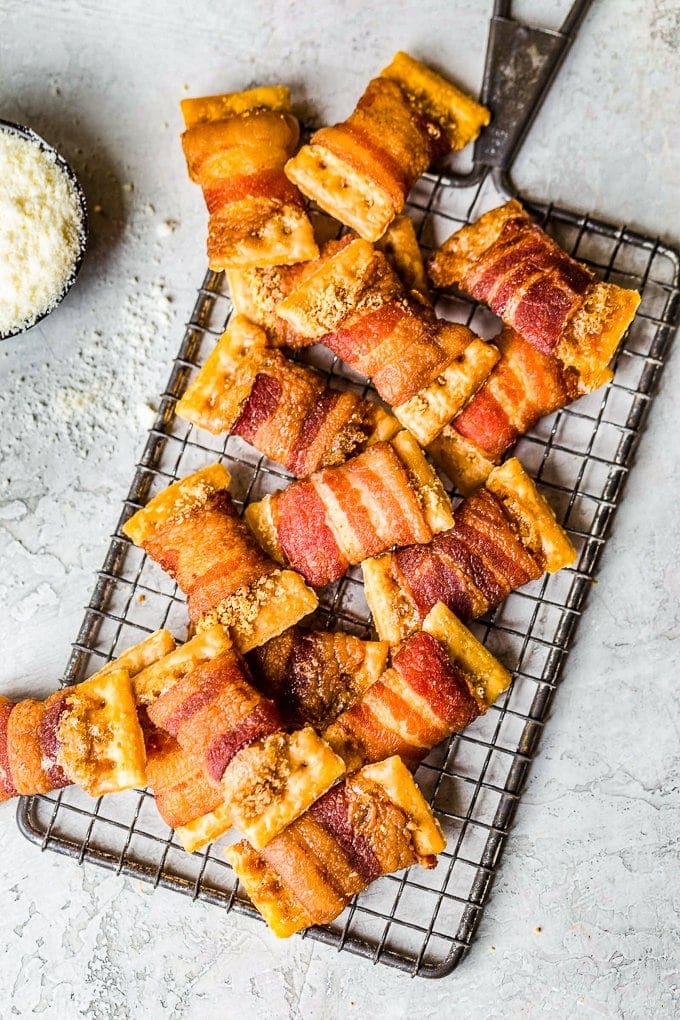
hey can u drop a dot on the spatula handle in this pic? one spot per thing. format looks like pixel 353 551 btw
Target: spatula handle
pixel 521 63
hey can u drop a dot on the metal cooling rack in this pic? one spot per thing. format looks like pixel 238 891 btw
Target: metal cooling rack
pixel 420 922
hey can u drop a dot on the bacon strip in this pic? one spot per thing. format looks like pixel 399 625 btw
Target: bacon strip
pixel 261 722
pixel 285 410
pixel 524 385
pixel 307 541
pixel 293 418
pixel 201 695
pixel 49 743
pixel 332 811
pixel 473 567
pixel 357 305
pixel 545 285
pixel 428 670
pixel 485 422
pixel 193 531
pixel 344 514
pixel 262 403
pixel 419 702
pixel 263 184
pixel 7 788
pixel 68 738
pixel 314 675
pixel 181 789
pixel 213 712
pixel 210 553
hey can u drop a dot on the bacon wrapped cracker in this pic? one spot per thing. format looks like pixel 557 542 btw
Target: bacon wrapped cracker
pixel 425 367
pixel 440 680
pixel 361 171
pixel 236 146
pixel 257 292
pixel 504 535
pixel 186 799
pixel 86 734
pixel 554 302
pixel 193 531
pixel 373 823
pixel 201 695
pixel 525 385
pixel 285 410
pixel 388 495
pixel 313 676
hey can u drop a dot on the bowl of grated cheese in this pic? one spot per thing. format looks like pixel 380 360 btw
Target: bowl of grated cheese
pixel 43 228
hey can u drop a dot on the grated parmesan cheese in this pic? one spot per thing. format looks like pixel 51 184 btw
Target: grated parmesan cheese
pixel 41 231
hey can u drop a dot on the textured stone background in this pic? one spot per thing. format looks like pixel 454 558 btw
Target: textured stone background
pixel 593 856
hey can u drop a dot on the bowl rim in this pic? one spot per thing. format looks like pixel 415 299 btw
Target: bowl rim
pixel 32 136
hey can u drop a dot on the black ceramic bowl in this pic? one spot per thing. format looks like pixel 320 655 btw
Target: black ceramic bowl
pixel 32 136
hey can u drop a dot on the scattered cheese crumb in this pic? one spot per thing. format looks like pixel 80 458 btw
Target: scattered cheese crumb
pixel 166 228
pixel 41 231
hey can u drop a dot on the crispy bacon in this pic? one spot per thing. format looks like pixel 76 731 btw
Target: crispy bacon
pixel 7 788
pixel 307 541
pixel 260 406
pixel 237 155
pixel 314 675
pixel 358 306
pixel 261 722
pixel 332 811
pixel 430 673
pixel 472 567
pixel 214 712
pixel 524 385
pixel 392 338
pixel 210 553
pixel 485 422
pixel 344 514
pixel 67 738
pixel 192 530
pixel 336 428
pixel 383 139
pixel 263 184
pixel 544 288
pixel 181 789
pixel 431 580
pixel 48 741
pixel 359 734
pixel 357 343
pixel 328 876
pixel 362 169
pixel 554 302
pixel 418 703
pixel 285 410
pixel 295 419
pixel 24 751
pixel 398 345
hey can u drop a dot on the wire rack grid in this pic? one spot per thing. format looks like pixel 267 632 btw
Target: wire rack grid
pixel 418 921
